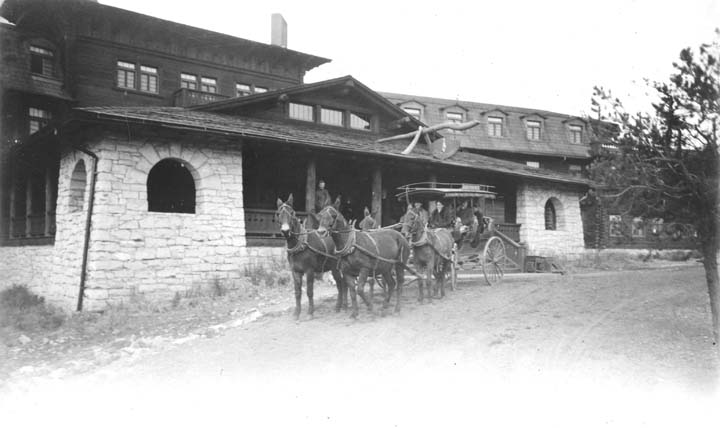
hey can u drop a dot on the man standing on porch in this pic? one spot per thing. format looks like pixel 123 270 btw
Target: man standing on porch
pixel 322 197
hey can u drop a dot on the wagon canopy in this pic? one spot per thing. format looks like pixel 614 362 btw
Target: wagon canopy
pixel 434 191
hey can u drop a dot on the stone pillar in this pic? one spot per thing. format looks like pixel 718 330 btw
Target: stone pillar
pixel 377 186
pixel 310 185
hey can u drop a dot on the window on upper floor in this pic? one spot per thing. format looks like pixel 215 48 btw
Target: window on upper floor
pixel 42 61
pixel 533 129
pixel 125 75
pixel 575 134
pixel 331 117
pixel 38 118
pixel 242 89
pixel 208 84
pixel 575 170
pixel 495 126
pixel 260 89
pixel 360 121
pixel 301 112
pixel 148 79
pixel 414 112
pixel 454 117
pixel 533 164
pixel 189 81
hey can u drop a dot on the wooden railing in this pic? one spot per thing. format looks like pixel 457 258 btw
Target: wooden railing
pixel 510 230
pixel 185 97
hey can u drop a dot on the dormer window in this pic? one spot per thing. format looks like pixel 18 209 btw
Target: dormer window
pixel 532 128
pixel 575 133
pixel 414 112
pixel 495 126
pixel 331 117
pixel 301 112
pixel 260 89
pixel 42 61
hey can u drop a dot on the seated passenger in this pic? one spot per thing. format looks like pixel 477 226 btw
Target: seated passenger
pixel 442 217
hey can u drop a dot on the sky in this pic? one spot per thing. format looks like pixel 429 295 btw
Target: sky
pixel 544 54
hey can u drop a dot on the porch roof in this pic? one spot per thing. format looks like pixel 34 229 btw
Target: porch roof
pixel 313 135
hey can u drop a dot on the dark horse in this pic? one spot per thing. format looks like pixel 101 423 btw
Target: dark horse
pixel 432 251
pixel 365 253
pixel 307 253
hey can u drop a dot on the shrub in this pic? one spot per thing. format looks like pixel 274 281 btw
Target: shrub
pixel 21 309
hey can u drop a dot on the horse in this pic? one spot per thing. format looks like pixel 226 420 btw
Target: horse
pixel 307 253
pixel 362 253
pixel 368 222
pixel 432 251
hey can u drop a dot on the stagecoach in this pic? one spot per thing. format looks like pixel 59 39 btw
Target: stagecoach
pixel 481 248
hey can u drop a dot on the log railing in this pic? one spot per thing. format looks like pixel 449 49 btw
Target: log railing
pixel 185 97
pixel 260 223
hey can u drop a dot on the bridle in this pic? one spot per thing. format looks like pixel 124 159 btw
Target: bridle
pixel 336 213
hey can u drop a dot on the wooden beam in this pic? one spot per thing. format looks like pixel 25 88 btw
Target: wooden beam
pixel 310 185
pixel 377 186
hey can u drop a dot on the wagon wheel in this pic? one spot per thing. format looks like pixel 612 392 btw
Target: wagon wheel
pixel 493 265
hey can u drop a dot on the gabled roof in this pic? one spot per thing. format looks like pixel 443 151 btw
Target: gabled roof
pixel 309 135
pixel 555 140
pixel 305 88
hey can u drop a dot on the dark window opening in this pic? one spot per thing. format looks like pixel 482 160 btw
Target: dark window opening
pixel 550 216
pixel 171 188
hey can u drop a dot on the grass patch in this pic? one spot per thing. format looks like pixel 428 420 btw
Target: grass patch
pixel 27 312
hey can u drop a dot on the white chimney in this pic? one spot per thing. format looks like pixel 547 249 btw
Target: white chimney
pixel 279 31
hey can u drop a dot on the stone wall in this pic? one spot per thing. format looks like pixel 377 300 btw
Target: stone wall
pixel 53 271
pixel 567 239
pixel 156 254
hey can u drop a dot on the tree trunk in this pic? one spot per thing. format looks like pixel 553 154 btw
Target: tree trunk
pixel 710 263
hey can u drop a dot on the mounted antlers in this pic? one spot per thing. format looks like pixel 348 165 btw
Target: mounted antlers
pixel 415 135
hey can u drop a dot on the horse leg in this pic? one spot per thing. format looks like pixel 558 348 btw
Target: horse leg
pixel 297 278
pixel 310 281
pixel 390 284
pixel 362 278
pixel 445 266
pixel 350 284
pixel 342 290
pixel 400 278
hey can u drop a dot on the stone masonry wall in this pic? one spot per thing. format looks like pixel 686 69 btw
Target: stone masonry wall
pixel 134 251
pixel 567 240
pixel 53 271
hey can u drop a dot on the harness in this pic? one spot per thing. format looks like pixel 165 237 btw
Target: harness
pixel 302 242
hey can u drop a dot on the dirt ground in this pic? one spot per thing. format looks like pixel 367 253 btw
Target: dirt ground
pixel 629 348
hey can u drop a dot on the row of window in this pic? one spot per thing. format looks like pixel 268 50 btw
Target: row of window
pixel 496 125
pixel 149 80
pixel 329 116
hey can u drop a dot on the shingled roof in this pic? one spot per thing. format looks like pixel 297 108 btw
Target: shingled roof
pixel 555 137
pixel 306 135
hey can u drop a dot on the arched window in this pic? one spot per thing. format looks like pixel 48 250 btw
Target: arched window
pixel 550 216
pixel 77 187
pixel 171 188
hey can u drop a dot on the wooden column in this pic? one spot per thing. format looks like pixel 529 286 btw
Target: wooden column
pixel 377 186
pixel 433 181
pixel 48 202
pixel 28 206
pixel 310 185
pixel 11 209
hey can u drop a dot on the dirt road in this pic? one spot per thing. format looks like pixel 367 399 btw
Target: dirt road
pixel 605 349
